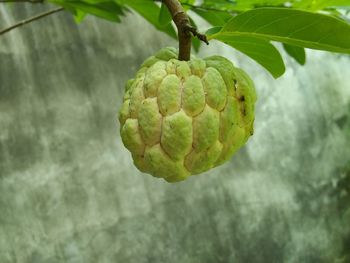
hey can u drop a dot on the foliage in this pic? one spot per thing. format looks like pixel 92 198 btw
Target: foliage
pixel 246 25
pixel 290 26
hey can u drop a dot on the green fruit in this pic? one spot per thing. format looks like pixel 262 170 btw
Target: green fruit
pixel 181 118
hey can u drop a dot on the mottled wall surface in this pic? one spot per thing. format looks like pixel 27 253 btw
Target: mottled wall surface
pixel 70 193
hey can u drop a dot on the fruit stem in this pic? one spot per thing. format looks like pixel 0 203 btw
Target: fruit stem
pixel 184 29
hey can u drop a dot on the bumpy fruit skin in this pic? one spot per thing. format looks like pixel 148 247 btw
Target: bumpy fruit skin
pixel 181 118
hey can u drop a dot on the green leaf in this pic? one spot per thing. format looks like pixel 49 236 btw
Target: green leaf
pixel 107 10
pixel 261 51
pixel 150 11
pixel 213 31
pixel 225 5
pixel 320 4
pixel 215 18
pixel 66 6
pixel 79 16
pixel 298 53
pixel 249 4
pixel 164 15
pixel 196 44
pixel 186 4
pixel 294 27
pixel 245 5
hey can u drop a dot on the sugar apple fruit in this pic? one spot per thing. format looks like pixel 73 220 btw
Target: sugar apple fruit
pixel 181 118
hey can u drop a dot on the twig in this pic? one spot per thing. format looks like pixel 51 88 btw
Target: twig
pixel 184 28
pixel 31 19
pixel 195 33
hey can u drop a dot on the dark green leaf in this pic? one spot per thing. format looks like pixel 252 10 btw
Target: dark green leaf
pixel 164 16
pixel 294 27
pixel 298 53
pixel 150 11
pixel 107 10
pixel 215 18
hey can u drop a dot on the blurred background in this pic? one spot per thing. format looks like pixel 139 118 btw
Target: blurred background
pixel 69 191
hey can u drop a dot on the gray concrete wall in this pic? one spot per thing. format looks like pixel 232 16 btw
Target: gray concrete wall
pixel 70 193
